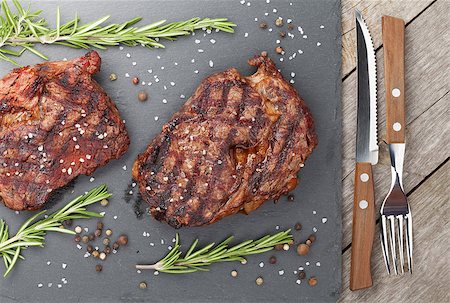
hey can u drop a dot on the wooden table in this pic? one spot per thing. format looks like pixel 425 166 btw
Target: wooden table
pixel 427 169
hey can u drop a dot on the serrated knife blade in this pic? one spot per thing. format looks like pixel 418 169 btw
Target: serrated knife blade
pixel 366 138
pixel 363 228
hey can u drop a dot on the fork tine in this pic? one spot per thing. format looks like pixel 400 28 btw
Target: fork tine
pixel 400 237
pixel 409 240
pixel 384 243
pixel 393 250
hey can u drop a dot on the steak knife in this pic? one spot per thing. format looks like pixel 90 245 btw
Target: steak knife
pixel 363 228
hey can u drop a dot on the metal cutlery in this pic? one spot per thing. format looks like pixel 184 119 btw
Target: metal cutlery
pixel 395 211
pixel 363 229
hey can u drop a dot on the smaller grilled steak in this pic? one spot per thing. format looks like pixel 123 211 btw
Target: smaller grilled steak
pixel 56 123
pixel 236 143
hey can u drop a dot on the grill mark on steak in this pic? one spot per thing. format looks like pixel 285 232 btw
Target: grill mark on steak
pixel 44 107
pixel 237 142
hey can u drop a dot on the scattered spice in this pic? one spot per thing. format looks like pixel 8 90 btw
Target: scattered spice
pixel 95 254
pixel 85 239
pixel 98 268
pixel 291 26
pixel 99 225
pixel 135 80
pixel 78 229
pixel 298 226
pixel 102 256
pixel 279 22
pixel 279 50
pixel 115 246
pixel 312 238
pixel 244 261
pixel 107 250
pixel 77 238
pixel 291 198
pixel 106 241
pixel 312 281
pixel 90 248
pixel 308 242
pixel 91 236
pixel 273 260
pixel 282 34
pixel 279 247
pixel 104 202
pixel 123 240
pixel 113 77
pixel 234 273
pixel 68 223
pixel 301 275
pixel 142 285
pixel 98 233
pixel 286 246
pixel 108 232
pixel 263 25
pixel 303 249
pixel 142 96
pixel 259 281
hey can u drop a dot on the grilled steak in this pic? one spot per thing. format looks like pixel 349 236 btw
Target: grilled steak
pixel 236 143
pixel 56 123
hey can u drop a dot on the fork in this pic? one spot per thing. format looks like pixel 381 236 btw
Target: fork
pixel 395 211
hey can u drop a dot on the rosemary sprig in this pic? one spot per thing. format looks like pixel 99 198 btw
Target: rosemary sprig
pixel 20 31
pixel 193 261
pixel 32 232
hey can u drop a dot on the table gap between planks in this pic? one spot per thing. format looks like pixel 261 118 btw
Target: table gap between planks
pixel 427 166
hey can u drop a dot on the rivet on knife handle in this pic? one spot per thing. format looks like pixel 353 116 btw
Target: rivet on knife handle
pixel 363 229
pixel 394 78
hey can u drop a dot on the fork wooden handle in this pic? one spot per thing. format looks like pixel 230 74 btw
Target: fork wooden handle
pixel 394 78
pixel 363 229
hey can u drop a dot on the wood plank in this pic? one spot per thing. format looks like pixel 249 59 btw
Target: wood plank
pixel 426 83
pixel 430 279
pixel 372 12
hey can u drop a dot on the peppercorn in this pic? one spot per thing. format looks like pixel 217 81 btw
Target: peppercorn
pixel 135 80
pixel 291 198
pixel 91 236
pixel 98 268
pixel 107 250
pixel 90 248
pixel 273 260
pixel 85 239
pixel 115 246
pixel 99 225
pixel 68 222
pixel 95 254
pixel 106 241
pixel 263 25
pixel 286 246
pixel 297 226
pixel 279 22
pixel 279 247
pixel 78 229
pixel 312 281
pixel 104 202
pixel 108 232
pixel 122 240
pixel 113 77
pixel 290 26
pixel 312 238
pixel 301 275
pixel 102 256
pixel 98 233
pixel 142 96
pixel 302 249
pixel 282 34
pixel 259 281
pixel 308 242
pixel 142 285
pixel 264 53
pixel 234 273
pixel 279 50
pixel 77 238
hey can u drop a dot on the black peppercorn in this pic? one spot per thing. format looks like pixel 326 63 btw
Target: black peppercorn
pixel 273 260
pixel 297 226
pixel 301 275
pixel 98 268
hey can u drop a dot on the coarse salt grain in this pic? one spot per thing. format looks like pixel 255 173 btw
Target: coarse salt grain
pixel 211 63
pixel 319 44
pixel 281 272
pixel 246 35
pixel 261 264
pixel 324 220
pixel 40 285
pixel 124 167
pixel 298 281
pixel 317 263
pixel 156 118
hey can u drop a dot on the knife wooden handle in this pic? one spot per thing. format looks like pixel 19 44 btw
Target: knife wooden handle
pixel 363 229
pixel 394 77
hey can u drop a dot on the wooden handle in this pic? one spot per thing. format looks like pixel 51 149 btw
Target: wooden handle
pixel 363 229
pixel 394 77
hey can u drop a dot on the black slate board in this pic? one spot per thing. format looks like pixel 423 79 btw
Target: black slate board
pixel 318 81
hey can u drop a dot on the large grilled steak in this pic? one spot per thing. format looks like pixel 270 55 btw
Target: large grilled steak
pixel 56 123
pixel 236 143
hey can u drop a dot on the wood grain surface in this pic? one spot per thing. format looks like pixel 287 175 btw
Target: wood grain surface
pixel 427 86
